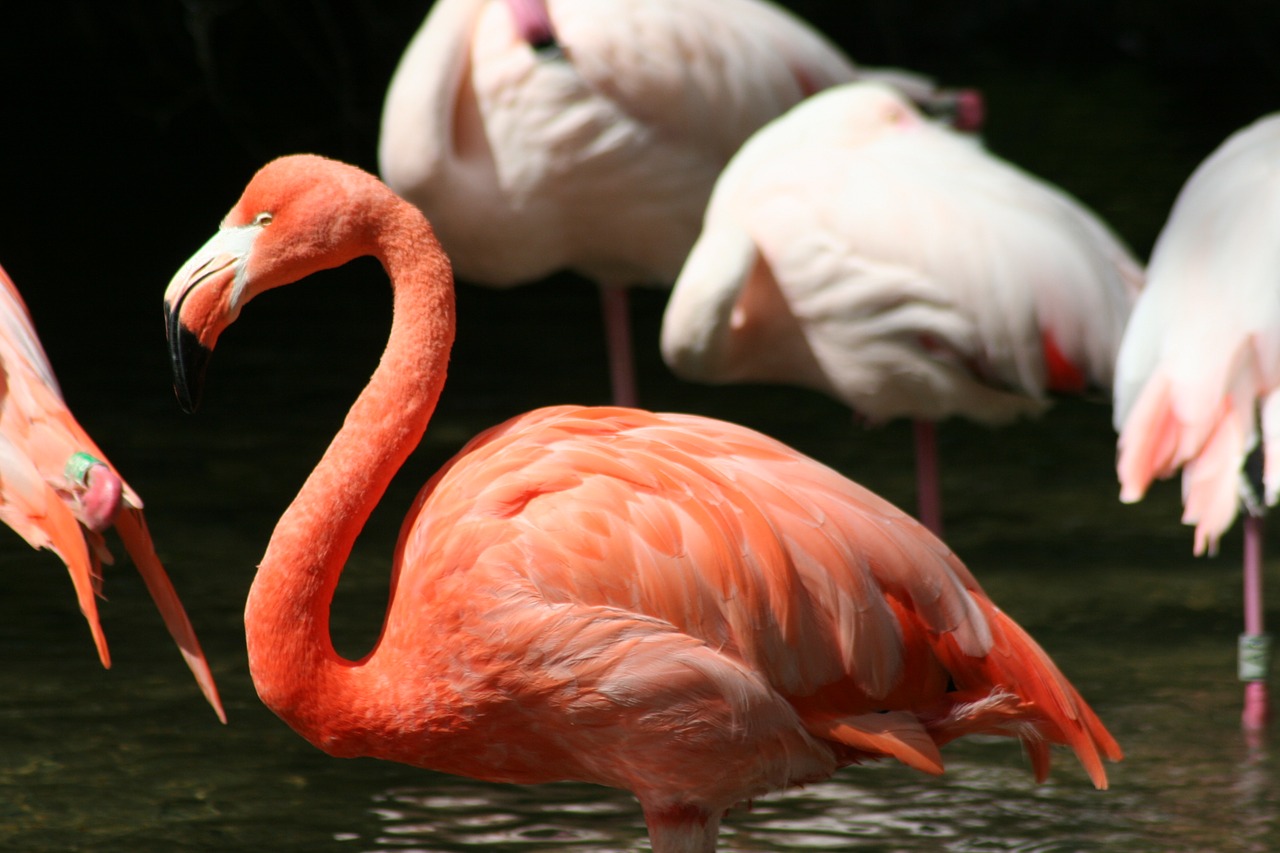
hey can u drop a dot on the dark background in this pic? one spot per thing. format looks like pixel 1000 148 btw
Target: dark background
pixel 129 128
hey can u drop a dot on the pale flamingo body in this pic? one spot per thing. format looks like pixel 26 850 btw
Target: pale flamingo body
pixel 669 604
pixel 58 490
pixel 588 133
pixel 1198 376
pixel 856 248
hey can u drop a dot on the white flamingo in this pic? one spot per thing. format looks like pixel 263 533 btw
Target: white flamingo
pixel 541 135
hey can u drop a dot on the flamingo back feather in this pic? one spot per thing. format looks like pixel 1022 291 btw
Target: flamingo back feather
pixel 921 276
pixel 598 156
pixel 870 628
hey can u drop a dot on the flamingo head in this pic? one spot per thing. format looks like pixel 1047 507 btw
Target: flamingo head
pixel 298 215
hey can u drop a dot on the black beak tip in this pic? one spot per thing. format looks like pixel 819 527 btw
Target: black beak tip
pixel 189 359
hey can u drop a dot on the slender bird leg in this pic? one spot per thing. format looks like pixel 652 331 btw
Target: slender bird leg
pixel 1255 643
pixel 99 490
pixel 682 830
pixel 928 489
pixel 617 330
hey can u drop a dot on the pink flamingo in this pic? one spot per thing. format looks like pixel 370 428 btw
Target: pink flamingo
pixel 588 133
pixel 1199 368
pixel 667 604
pixel 59 491
pixel 853 247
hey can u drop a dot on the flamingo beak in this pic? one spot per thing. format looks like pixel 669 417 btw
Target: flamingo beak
pixel 964 109
pixel 189 360
pixel 202 299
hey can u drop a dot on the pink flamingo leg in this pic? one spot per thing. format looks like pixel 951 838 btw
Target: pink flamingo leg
pixel 928 489
pixel 1255 645
pixel 617 330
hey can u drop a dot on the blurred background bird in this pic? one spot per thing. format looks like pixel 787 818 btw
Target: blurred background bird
pixel 542 135
pixel 857 248
pixel 1198 377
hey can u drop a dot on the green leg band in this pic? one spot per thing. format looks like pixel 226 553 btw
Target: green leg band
pixel 1254 656
pixel 77 469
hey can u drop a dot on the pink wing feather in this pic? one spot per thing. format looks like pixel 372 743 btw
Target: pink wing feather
pixel 777 567
pixel 1199 367
pixel 38 435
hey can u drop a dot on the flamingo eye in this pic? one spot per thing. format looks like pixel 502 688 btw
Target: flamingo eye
pixel 262 219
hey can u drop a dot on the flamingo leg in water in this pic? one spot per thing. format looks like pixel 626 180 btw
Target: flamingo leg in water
pixel 682 831
pixel 928 489
pixel 617 331
pixel 1255 645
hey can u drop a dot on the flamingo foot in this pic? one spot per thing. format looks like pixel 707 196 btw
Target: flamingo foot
pixel 102 490
pixel 682 829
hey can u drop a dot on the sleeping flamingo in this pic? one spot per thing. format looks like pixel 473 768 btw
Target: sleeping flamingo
pixel 858 249
pixel 667 604
pixel 588 133
pixel 1199 369
pixel 58 490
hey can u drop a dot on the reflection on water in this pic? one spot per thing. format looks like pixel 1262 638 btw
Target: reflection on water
pixel 982 804
pixel 477 816
pixel 1190 782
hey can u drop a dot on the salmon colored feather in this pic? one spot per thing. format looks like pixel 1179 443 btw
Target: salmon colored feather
pixel 664 603
pixel 58 490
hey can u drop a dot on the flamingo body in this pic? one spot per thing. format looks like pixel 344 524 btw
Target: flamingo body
pixel 1199 369
pixel 1198 376
pixel 589 132
pixel 700 555
pixel 58 491
pixel 668 604
pixel 858 249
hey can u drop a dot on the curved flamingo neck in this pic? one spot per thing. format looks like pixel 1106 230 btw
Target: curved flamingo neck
pixel 294 666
